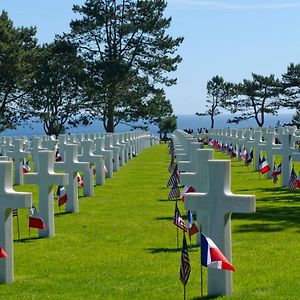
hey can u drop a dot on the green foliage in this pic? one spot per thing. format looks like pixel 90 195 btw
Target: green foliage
pixel 122 244
pixel 16 46
pixel 127 53
pixel 56 93
pixel 218 92
pixel 291 87
pixel 167 125
pixel 256 97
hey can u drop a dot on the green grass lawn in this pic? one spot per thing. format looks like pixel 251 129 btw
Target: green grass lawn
pixel 122 244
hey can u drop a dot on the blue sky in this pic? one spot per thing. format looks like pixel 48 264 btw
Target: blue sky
pixel 228 38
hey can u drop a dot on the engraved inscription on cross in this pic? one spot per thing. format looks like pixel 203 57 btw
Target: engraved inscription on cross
pixel 218 204
pixel 9 199
pixel 71 166
pixel 18 154
pixel 46 178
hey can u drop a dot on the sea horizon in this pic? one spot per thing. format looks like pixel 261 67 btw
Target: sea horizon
pixel 184 121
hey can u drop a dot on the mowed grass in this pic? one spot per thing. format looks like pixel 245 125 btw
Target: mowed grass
pixel 123 244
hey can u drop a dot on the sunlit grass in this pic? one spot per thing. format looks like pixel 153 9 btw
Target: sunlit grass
pixel 123 244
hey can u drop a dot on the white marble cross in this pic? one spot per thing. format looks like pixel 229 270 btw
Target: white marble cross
pixel 71 166
pixel 18 154
pixel 9 199
pixel 116 151
pixel 116 143
pixel 45 178
pixel 218 204
pixel 108 155
pixel 35 147
pixel 190 165
pixel 199 181
pixel 98 160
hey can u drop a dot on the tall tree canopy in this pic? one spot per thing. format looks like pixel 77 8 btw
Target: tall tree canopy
pixel 128 55
pixel 56 93
pixel 218 91
pixel 291 87
pixel 256 97
pixel 16 55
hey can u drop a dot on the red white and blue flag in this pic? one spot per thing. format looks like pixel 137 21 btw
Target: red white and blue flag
pixel 298 181
pixel 35 221
pixel 177 220
pixel 276 172
pixel 264 166
pixel 26 167
pixel 212 257
pixel 61 195
pixel 57 156
pixel 192 228
pixel 186 189
pixel 185 267
pixel 292 180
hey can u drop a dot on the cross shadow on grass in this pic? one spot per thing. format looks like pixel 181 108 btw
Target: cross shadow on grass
pixel 59 214
pixel 205 297
pixel 192 248
pixel 28 240
pixel 270 219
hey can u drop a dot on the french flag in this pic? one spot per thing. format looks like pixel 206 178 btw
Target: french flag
pixel 26 167
pixel 212 257
pixel 186 190
pixel 57 156
pixel 264 166
pixel 61 195
pixel 192 228
pixel 34 220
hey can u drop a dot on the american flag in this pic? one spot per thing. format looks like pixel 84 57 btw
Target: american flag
pixel 173 178
pixel 174 192
pixel 185 268
pixel 177 220
pixel 292 180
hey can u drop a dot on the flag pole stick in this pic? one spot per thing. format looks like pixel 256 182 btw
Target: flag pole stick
pixel 29 231
pixel 18 226
pixel 184 292
pixel 201 269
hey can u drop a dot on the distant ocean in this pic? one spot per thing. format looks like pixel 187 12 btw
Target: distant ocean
pixel 183 122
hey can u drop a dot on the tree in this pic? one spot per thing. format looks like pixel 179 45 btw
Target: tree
pixel 218 91
pixel 16 48
pixel 256 98
pixel 57 97
pixel 167 125
pixel 128 54
pixel 291 87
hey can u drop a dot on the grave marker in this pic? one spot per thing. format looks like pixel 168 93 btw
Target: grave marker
pixel 45 178
pixel 218 204
pixel 71 166
pixel 9 199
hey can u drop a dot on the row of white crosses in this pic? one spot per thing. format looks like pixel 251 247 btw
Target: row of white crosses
pixel 45 178
pixel 213 203
pixel 264 140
